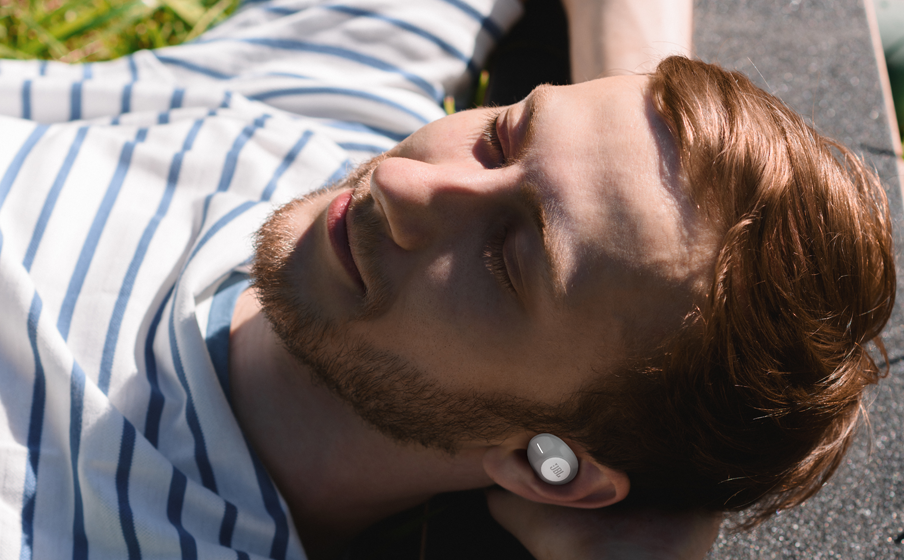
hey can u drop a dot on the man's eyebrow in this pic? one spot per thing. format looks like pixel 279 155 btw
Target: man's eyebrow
pixel 541 208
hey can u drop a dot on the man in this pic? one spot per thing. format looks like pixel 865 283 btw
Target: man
pixel 500 272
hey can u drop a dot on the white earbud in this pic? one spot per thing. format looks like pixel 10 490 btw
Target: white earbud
pixel 552 459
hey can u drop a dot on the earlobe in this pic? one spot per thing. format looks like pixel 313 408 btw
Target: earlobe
pixel 594 486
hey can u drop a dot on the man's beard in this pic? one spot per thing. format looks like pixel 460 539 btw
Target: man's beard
pixel 384 389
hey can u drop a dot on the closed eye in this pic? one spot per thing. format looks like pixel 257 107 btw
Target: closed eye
pixel 491 136
pixel 494 259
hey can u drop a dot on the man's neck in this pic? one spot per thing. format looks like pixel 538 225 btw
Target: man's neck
pixel 337 474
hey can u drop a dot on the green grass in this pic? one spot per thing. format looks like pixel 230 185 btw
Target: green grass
pixel 94 30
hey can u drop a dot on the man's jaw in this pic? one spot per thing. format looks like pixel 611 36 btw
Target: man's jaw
pixel 385 389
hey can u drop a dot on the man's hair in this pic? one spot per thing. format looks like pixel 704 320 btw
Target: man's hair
pixel 755 401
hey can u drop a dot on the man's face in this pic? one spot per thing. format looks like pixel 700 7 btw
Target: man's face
pixel 499 257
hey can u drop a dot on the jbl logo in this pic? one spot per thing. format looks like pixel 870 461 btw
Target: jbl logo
pixel 556 470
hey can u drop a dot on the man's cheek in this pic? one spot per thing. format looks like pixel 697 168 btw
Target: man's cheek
pixel 446 328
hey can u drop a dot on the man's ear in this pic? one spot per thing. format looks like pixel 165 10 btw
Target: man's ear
pixel 594 486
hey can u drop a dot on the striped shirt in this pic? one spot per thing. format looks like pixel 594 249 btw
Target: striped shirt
pixel 129 191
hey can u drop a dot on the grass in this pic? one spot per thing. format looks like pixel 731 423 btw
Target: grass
pixel 95 30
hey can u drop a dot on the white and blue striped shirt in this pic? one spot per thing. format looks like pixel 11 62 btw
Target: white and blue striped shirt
pixel 129 191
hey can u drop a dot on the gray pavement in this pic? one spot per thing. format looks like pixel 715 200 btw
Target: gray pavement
pixel 817 56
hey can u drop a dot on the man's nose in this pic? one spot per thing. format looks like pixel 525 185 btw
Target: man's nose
pixel 423 201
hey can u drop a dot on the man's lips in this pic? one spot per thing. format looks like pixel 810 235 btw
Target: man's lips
pixel 337 227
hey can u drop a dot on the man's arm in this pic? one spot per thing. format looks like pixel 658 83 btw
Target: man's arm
pixel 626 36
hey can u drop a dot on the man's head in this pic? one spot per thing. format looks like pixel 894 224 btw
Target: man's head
pixel 520 269
pixel 509 270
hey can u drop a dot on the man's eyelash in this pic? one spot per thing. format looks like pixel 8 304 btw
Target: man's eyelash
pixel 494 259
pixel 491 135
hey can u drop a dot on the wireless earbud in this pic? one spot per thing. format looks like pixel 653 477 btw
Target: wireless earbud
pixel 552 459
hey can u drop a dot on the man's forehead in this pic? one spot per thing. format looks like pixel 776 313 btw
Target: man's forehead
pixel 605 167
